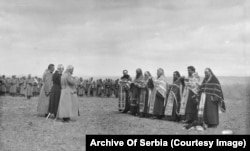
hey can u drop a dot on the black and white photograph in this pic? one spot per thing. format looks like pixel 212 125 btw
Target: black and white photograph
pixel 71 68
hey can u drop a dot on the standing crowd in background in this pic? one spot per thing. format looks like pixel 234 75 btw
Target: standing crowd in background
pixel 31 86
pixel 185 99
pixel 20 86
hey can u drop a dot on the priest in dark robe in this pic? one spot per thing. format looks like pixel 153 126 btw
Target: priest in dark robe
pixel 55 91
pixel 174 98
pixel 135 89
pixel 160 88
pixel 144 95
pixel 189 100
pixel 124 92
pixel 211 100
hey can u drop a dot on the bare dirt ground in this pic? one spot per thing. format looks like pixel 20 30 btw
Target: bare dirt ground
pixel 22 130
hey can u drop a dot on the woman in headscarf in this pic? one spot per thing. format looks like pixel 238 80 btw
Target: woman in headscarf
pixel 135 87
pixel 211 99
pixel 68 105
pixel 56 90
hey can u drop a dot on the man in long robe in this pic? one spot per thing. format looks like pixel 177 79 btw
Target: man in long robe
pixel 3 85
pixel 144 95
pixel 22 86
pixel 68 105
pixel 13 86
pixel 189 100
pixel 124 90
pixel 211 100
pixel 90 82
pixel 159 94
pixel 80 87
pixel 116 88
pixel 28 87
pixel 94 88
pixel 43 100
pixel 55 91
pixel 135 88
pixel 174 98
pixel 35 86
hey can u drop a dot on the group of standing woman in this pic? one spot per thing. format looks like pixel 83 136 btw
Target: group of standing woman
pixel 185 100
pixel 58 97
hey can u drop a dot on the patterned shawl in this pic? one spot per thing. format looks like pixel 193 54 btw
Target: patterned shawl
pixel 193 83
pixel 160 85
pixel 213 87
pixel 140 82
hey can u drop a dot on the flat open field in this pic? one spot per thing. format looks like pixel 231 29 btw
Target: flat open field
pixel 22 130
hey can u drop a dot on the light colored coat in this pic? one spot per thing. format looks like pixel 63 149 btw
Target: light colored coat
pixel 28 87
pixel 68 104
pixel 14 84
pixel 43 100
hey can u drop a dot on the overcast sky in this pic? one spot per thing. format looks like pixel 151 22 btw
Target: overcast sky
pixel 103 37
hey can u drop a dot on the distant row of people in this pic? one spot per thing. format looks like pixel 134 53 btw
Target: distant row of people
pixel 31 86
pixel 185 100
pixel 97 88
pixel 23 86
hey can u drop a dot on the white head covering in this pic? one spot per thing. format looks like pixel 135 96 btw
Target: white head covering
pixel 60 68
pixel 69 69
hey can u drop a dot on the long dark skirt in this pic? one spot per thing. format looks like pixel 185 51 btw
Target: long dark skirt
pixel 159 105
pixel 134 109
pixel 54 99
pixel 143 102
pixel 191 108
pixel 211 112
pixel 174 116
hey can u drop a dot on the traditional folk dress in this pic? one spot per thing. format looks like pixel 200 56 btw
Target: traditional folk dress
pixel 108 85
pixel 13 86
pixel 3 86
pixel 99 88
pixel 94 89
pixel 89 85
pixel 28 87
pixel 80 90
pixel 68 104
pixel 116 88
pixel 8 80
pixel 173 102
pixel 22 87
pixel 210 101
pixel 55 93
pixel 189 103
pixel 43 100
pixel 35 87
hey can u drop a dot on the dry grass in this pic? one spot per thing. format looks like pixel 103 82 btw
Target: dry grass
pixel 22 130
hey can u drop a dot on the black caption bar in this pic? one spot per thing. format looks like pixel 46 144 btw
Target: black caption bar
pixel 163 142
